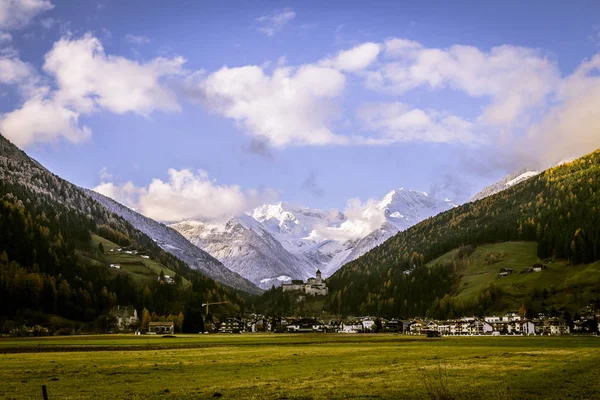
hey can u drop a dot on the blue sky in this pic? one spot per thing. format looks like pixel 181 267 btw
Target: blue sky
pixel 310 102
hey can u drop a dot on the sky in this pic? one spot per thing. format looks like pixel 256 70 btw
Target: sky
pixel 189 109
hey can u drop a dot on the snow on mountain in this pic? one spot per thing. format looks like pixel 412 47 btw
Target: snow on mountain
pixel 505 183
pixel 278 242
pixel 402 209
pixel 173 242
pixel 246 247
pixel 513 179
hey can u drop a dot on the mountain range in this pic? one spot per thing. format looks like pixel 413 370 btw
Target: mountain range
pixel 275 243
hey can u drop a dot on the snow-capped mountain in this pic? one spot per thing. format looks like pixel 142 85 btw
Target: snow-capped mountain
pixel 505 183
pixel 173 242
pixel 246 247
pixel 278 242
pixel 511 180
pixel 403 209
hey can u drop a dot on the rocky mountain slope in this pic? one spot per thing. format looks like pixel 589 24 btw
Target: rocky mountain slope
pixel 173 242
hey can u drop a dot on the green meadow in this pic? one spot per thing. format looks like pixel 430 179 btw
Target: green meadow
pixel 143 271
pixel 296 366
pixel 566 284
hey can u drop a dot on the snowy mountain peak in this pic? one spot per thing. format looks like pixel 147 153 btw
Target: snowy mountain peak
pixel 283 240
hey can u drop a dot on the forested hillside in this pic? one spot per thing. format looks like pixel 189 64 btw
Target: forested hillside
pixel 50 266
pixel 557 209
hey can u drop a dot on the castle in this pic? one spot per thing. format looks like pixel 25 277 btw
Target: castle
pixel 313 287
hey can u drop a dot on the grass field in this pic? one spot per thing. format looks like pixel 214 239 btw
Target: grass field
pixel 289 366
pixel 143 271
pixel 567 284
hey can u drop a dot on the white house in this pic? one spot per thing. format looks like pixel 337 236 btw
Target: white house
pixel 368 324
pixel 351 328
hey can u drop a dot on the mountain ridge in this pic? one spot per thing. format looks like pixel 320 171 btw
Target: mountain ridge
pixel 277 241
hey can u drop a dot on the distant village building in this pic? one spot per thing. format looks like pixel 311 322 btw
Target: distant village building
pixel 161 328
pixel 166 279
pixel 232 325
pixel 313 287
pixel 305 325
pixel 127 317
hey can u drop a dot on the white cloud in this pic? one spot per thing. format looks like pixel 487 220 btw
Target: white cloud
pixel 361 219
pixel 288 106
pixel 186 195
pixel 86 81
pixel 137 39
pixel 105 176
pixel 42 119
pixel 570 129
pixel 5 37
pixel 355 59
pixel 397 122
pixel 516 79
pixel 13 71
pixel 88 78
pixel 15 14
pixel 275 21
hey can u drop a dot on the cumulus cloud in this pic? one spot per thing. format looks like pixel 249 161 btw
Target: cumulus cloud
pixel 272 23
pixel 291 105
pixel 355 59
pixel 397 122
pixel 570 128
pixel 88 78
pixel 105 176
pixel 42 119
pixel 16 14
pixel 186 195
pixel 515 79
pixel 13 71
pixel 361 219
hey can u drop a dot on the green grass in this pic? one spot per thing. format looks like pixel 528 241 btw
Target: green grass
pixel 269 366
pixel 142 270
pixel 567 284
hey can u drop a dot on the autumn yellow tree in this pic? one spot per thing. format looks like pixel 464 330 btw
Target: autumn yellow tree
pixel 179 322
pixel 145 319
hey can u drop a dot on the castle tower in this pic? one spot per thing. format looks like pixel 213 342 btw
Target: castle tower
pixel 319 279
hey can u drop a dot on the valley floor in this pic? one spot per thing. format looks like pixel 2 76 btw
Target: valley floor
pixel 315 366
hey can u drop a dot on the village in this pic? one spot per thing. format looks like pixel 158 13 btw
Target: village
pixel 509 324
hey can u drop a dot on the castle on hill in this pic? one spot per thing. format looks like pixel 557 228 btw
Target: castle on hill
pixel 312 287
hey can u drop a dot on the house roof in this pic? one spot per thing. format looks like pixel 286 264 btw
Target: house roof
pixel 161 324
